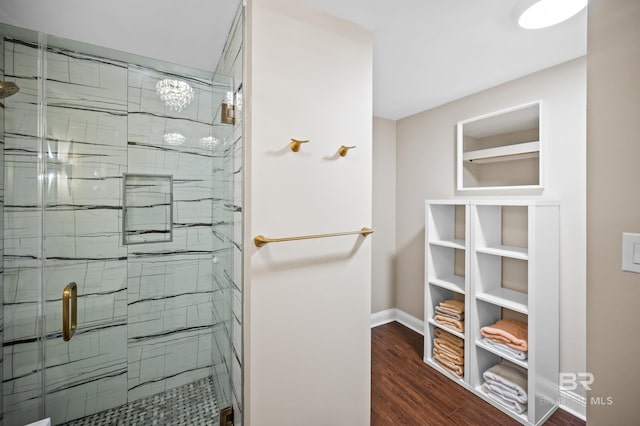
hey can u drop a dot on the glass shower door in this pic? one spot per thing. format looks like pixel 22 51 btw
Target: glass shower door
pixel 83 159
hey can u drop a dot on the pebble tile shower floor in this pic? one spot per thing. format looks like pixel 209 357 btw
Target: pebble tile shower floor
pixel 190 404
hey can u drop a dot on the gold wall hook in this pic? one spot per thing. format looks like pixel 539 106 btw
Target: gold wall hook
pixel 344 149
pixel 295 144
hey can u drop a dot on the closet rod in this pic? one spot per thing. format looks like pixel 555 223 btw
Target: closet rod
pixel 260 240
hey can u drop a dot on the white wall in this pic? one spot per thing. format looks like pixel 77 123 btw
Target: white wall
pixel 384 215
pixel 307 303
pixel 426 170
pixel 613 208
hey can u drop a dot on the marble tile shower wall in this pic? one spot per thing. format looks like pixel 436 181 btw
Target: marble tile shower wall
pixel 145 311
pixel 86 154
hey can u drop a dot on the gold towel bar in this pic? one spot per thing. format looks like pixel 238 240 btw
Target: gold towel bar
pixel 260 240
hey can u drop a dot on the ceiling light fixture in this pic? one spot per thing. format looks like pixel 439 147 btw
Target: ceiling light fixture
pixel 176 94
pixel 535 14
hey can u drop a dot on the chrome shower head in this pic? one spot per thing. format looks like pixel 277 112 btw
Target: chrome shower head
pixel 7 89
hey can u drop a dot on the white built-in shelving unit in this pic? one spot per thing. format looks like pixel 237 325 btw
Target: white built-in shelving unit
pixel 447 266
pixel 501 150
pixel 502 259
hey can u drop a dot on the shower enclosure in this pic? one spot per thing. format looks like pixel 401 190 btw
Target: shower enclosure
pixel 118 213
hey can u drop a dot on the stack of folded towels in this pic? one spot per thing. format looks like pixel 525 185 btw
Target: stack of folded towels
pixel 448 352
pixel 450 313
pixel 507 385
pixel 507 336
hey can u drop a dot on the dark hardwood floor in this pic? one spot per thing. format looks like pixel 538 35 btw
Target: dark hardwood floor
pixel 406 391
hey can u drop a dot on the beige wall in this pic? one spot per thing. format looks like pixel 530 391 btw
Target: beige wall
pixel 384 215
pixel 307 303
pixel 426 170
pixel 613 207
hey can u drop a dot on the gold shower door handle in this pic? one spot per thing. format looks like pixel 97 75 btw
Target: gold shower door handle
pixel 69 319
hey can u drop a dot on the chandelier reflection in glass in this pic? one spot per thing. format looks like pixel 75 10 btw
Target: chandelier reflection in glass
pixel 209 142
pixel 175 94
pixel 174 139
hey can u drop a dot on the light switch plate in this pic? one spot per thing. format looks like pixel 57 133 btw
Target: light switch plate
pixel 631 252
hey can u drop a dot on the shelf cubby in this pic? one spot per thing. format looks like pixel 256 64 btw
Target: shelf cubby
pixel 501 281
pixel 485 361
pixel 501 150
pixel 428 356
pixel 488 313
pixel 439 294
pixel 445 223
pixel 442 270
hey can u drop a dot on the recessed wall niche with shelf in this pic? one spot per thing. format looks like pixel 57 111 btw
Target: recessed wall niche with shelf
pixel 501 150
pixel 147 208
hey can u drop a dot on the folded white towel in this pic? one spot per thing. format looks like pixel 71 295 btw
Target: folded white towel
pixel 505 392
pixel 509 403
pixel 509 376
pixel 501 347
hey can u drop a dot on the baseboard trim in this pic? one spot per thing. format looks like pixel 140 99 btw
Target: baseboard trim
pixel 390 315
pixel 410 321
pixel 383 317
pixel 573 403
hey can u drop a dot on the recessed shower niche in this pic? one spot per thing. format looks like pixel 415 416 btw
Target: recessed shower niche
pixel 110 187
pixel 147 209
